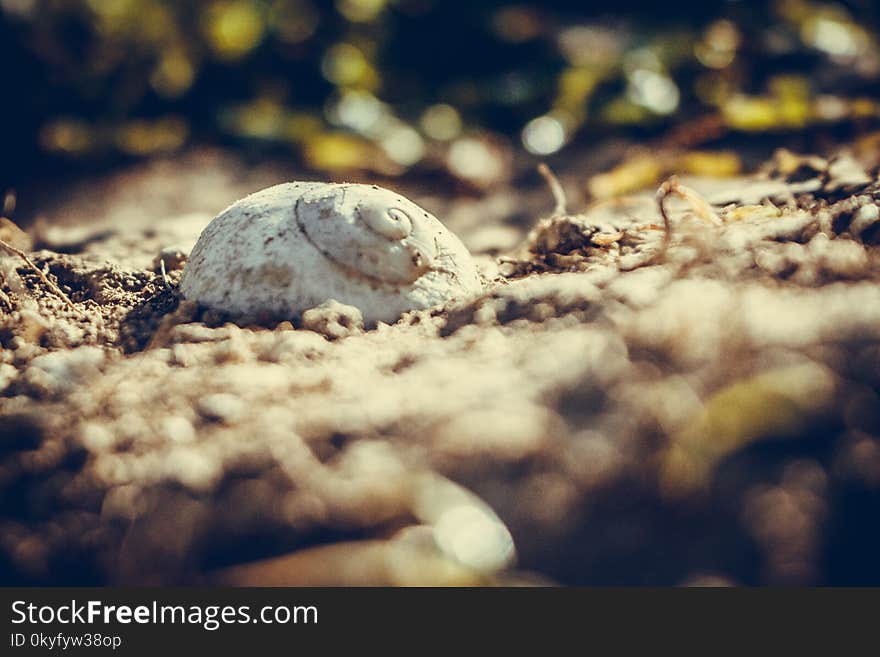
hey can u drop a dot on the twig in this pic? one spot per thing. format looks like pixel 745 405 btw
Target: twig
pixel 555 189
pixel 671 187
pixel 663 192
pixel 54 288
pixel 699 205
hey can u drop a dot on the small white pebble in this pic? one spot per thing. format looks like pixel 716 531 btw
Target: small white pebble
pixel 333 320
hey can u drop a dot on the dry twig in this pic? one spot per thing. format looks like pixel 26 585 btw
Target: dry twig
pixel 701 208
pixel 555 189
pixel 54 288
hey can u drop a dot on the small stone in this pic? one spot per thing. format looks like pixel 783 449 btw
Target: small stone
pixel 333 320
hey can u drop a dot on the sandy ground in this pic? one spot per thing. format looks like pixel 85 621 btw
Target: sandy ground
pixel 619 407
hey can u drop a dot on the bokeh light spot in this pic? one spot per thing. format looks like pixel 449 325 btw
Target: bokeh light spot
pixel 66 135
pixel 360 11
pixel 653 91
pixel 344 64
pixel 441 122
pixel 358 110
pixel 403 145
pixel 233 28
pixel 543 135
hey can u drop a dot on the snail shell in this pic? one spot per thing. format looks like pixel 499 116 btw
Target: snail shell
pixel 293 246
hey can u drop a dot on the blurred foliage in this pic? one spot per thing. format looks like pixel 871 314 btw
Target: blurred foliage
pixel 387 85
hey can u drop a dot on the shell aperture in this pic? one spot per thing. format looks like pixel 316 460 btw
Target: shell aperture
pixel 294 246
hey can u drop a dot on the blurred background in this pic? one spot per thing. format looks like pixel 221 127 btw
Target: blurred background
pixel 470 91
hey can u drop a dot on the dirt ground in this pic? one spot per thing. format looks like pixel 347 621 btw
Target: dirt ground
pixel 630 402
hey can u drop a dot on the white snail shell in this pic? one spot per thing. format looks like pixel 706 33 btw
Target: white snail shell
pixel 291 247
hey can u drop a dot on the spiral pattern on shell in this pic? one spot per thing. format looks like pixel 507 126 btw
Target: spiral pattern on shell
pixel 291 247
